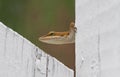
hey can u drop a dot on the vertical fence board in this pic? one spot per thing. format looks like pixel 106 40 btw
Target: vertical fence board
pixel 98 38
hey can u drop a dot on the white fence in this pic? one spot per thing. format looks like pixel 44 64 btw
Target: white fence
pixel 98 38
pixel 20 58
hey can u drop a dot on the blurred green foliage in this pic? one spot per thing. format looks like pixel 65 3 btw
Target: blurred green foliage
pixel 12 14
pixel 34 18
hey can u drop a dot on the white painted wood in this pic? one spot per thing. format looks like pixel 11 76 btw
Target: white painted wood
pixel 21 58
pixel 55 69
pixel 98 38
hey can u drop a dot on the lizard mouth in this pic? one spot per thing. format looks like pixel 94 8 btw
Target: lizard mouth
pixel 51 39
pixel 48 38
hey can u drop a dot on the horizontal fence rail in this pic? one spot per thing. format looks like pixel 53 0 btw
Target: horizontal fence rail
pixel 20 58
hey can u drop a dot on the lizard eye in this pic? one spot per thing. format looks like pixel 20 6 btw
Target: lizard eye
pixel 51 34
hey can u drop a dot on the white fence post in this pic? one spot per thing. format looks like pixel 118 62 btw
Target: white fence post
pixel 98 38
pixel 21 58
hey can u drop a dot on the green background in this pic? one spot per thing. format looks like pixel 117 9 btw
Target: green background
pixel 34 18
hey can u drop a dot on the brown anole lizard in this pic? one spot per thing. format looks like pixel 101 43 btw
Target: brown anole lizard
pixel 66 37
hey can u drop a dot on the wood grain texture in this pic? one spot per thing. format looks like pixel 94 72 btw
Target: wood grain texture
pixel 98 38
pixel 20 58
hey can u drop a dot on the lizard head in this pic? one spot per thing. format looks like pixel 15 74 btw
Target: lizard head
pixel 53 37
